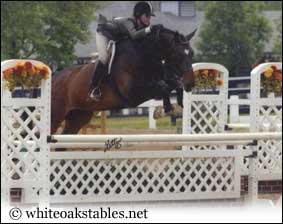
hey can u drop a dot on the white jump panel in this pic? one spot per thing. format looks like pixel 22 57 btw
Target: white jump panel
pixel 25 119
pixel 206 113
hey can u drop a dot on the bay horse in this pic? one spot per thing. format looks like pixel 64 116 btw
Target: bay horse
pixel 136 76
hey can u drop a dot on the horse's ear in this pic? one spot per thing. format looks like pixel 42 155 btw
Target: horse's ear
pixel 179 38
pixel 191 35
pixel 101 19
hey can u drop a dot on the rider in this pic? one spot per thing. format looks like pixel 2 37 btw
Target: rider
pixel 120 28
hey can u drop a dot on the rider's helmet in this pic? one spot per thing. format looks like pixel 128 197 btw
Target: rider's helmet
pixel 143 8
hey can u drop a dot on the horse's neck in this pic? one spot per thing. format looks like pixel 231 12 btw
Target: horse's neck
pixel 144 62
pixel 151 58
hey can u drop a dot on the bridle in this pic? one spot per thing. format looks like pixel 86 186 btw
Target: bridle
pixel 176 71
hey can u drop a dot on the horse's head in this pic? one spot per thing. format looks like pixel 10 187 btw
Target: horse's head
pixel 178 54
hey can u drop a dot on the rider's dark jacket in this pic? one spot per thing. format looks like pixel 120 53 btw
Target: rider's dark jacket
pixel 121 28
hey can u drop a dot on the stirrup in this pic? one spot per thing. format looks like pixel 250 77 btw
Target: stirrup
pixel 95 94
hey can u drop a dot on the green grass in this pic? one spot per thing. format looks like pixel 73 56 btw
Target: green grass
pixel 139 123
pixel 142 123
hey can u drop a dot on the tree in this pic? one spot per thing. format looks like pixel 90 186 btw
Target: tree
pixel 233 34
pixel 278 39
pixel 46 31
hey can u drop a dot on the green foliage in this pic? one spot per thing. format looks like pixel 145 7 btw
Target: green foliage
pixel 278 39
pixel 268 5
pixel 47 31
pixel 273 5
pixel 234 33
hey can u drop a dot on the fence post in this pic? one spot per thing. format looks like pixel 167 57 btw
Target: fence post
pixel 252 176
pixel 151 120
pixel 234 110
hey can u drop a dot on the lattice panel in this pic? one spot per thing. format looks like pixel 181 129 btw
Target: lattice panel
pixel 206 117
pixel 270 118
pixel 269 159
pixel 270 156
pixel 109 179
pixel 245 161
pixel 21 126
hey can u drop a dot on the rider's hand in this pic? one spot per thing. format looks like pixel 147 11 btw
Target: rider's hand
pixel 154 28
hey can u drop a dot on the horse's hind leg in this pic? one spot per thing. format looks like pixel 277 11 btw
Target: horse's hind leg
pixel 75 120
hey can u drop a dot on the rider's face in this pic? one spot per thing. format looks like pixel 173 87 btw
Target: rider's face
pixel 145 19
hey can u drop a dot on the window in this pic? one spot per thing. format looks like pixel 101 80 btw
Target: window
pixel 179 8
pixel 187 8
pixel 170 6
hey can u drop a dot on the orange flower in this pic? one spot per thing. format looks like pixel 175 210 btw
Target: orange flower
pixel 214 73
pixel 7 73
pixel 19 69
pixel 268 73
pixel 20 63
pixel 46 75
pixel 44 72
pixel 32 70
pixel 22 74
pixel 278 76
pixel 220 82
pixel 274 67
pixel 28 65
pixel 196 73
pixel 205 72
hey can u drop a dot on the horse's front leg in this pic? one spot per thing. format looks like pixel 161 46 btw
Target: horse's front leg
pixel 180 95
pixel 152 90
pixel 167 104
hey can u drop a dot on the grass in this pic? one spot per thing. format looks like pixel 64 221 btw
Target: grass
pixel 139 123
pixel 142 123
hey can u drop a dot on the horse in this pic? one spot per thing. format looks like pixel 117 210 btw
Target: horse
pixel 134 79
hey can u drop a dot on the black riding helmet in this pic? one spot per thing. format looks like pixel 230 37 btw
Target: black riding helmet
pixel 143 8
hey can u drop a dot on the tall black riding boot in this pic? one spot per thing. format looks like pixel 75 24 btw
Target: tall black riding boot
pixel 94 90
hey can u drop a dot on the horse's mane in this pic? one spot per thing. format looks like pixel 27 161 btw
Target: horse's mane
pixel 151 41
pixel 147 50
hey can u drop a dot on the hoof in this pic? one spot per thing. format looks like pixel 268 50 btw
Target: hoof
pixel 177 110
pixel 158 113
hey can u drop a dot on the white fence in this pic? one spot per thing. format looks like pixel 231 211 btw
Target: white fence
pixel 208 114
pixel 120 175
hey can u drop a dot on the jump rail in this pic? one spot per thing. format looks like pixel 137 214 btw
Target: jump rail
pixel 168 137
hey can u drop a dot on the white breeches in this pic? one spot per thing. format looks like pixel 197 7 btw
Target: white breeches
pixel 101 45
